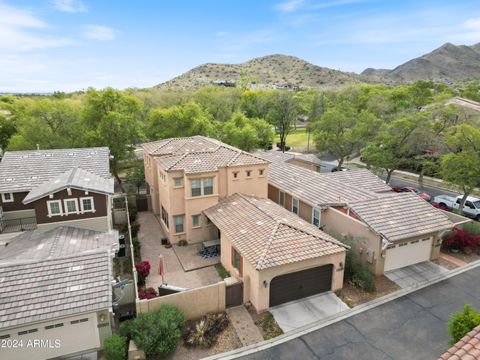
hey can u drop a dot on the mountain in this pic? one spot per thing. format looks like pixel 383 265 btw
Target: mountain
pixel 449 63
pixel 267 71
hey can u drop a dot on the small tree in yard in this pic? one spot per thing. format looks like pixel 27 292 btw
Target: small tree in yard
pixel 157 333
pixel 462 322
pixel 136 177
pixel 115 347
pixel 143 270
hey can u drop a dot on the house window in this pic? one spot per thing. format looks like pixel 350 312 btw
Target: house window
pixel 249 172
pixel 178 182
pixel 209 222
pixel 71 206
pixel 54 208
pixel 295 206
pixel 316 217
pixel 178 223
pixel 235 175
pixel 208 186
pixel 281 198
pixel 195 220
pixel 237 261
pixel 86 204
pixel 165 216
pixel 260 172
pixel 202 186
pixel 196 187
pixel 7 197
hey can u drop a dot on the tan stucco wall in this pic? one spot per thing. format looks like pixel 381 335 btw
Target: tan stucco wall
pixel 257 293
pixel 365 241
pixel 304 164
pixel 101 224
pixel 305 212
pixel 193 303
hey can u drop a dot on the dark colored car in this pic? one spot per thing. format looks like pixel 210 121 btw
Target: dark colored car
pixel 420 194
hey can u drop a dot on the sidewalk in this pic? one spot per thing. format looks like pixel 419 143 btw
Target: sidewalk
pixel 247 331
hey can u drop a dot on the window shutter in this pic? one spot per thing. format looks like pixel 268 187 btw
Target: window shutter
pixel 232 255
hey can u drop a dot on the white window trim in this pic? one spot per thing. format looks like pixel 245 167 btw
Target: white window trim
pixel 82 210
pixel 298 205
pixel 202 187
pixel 65 201
pixel 181 184
pixel 282 203
pixel 7 201
pixel 319 215
pixel 59 202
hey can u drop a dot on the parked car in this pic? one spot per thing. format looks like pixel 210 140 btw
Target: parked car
pixel 336 168
pixel 420 194
pixel 470 209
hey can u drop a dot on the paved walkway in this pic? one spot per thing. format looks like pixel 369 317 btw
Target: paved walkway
pixel 416 274
pixel 409 327
pixel 452 259
pixel 247 331
pixel 149 236
pixel 295 314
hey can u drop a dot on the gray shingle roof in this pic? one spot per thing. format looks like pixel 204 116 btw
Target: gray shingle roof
pixel 48 289
pixel 398 216
pixel 198 154
pixel 74 178
pixel 268 235
pixel 61 241
pixel 24 170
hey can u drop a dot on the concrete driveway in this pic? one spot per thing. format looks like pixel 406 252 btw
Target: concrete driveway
pixel 416 274
pixel 295 314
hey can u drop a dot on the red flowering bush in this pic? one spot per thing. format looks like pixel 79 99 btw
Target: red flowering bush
pixel 143 270
pixel 461 239
pixel 147 293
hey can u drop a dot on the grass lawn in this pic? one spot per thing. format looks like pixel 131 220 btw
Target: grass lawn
pixel 297 139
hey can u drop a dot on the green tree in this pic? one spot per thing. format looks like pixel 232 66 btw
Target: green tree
pixel 246 134
pixel 115 347
pixel 461 165
pixel 283 114
pixel 179 121
pixel 7 130
pixel 136 177
pixel 391 147
pixel 461 323
pixel 220 102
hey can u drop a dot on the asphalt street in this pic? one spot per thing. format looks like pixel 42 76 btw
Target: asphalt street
pixel 412 327
pixel 430 190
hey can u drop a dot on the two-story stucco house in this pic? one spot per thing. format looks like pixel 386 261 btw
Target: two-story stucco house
pixel 188 175
pixel 45 189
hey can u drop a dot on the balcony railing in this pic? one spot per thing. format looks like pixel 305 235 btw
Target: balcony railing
pixel 16 225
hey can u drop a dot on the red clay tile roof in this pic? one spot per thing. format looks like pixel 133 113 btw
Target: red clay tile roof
pixel 267 234
pixel 468 348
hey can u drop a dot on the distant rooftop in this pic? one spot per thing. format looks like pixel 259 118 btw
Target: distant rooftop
pixel 47 289
pixel 61 241
pixel 267 234
pixel 198 154
pixel 25 170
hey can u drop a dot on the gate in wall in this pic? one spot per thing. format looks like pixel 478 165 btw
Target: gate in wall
pixel 234 295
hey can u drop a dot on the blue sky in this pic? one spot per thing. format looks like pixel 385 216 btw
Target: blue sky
pixel 48 45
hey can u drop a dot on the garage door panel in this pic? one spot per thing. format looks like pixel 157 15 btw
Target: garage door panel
pixel 300 284
pixel 412 253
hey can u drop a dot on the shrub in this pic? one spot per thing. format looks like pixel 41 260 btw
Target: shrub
pixel 133 213
pixel 206 331
pixel 147 293
pixel 363 278
pixel 461 239
pixel 136 246
pixel 124 329
pixel 134 227
pixel 157 333
pixel 462 322
pixel 115 347
pixel 143 270
pixel 221 271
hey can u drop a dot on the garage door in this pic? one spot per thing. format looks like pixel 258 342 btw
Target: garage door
pixel 300 284
pixel 411 253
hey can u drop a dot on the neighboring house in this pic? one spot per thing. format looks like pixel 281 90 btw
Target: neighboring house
pixel 188 175
pixel 278 256
pixel 48 188
pixel 467 348
pixel 389 230
pixel 56 293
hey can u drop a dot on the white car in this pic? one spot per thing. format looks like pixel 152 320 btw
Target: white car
pixel 471 208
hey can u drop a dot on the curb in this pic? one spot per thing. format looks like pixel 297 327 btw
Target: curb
pixel 340 316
